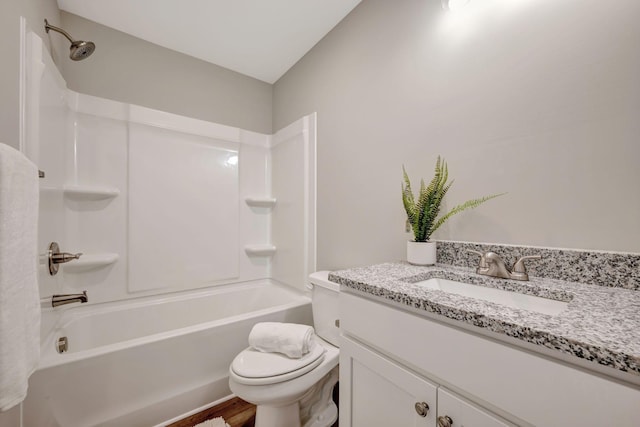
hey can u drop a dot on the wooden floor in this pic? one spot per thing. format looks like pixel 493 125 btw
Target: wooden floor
pixel 236 412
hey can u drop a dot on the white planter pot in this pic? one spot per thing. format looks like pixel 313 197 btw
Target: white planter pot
pixel 421 253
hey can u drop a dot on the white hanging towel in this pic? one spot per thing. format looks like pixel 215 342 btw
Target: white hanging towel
pixel 19 295
pixel 291 339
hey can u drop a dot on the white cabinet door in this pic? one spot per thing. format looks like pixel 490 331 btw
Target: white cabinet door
pixel 375 392
pixel 463 414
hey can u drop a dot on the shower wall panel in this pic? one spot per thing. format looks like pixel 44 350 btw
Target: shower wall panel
pixel 293 156
pixel 97 225
pixel 183 209
pixel 169 212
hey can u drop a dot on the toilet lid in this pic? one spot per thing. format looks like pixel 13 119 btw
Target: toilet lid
pixel 253 364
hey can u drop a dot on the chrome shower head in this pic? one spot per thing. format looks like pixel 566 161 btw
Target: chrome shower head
pixel 79 49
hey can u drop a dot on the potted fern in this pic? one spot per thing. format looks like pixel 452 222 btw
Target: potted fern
pixel 422 214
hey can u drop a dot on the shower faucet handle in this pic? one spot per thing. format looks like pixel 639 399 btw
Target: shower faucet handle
pixel 62 257
pixel 56 257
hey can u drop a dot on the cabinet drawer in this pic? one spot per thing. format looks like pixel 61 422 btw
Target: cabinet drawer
pixel 464 414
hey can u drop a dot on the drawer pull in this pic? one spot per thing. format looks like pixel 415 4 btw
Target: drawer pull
pixel 445 421
pixel 422 408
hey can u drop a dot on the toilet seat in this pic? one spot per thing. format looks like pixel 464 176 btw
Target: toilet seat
pixel 253 367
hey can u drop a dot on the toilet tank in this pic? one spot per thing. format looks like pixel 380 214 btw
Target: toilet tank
pixel 324 302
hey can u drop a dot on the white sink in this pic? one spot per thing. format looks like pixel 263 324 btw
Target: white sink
pixel 508 298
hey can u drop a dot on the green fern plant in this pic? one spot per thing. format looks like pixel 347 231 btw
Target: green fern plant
pixel 423 213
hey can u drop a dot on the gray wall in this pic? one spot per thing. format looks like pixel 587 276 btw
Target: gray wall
pixel 539 99
pixel 35 11
pixel 128 69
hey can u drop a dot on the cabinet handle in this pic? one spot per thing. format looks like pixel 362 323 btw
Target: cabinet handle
pixel 445 421
pixel 422 408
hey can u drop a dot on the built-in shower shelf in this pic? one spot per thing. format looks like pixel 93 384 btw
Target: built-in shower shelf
pixel 90 262
pixel 260 250
pixel 260 202
pixel 89 192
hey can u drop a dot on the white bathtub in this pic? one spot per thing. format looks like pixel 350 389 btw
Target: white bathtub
pixel 142 362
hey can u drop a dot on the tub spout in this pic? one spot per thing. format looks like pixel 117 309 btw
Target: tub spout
pixel 57 300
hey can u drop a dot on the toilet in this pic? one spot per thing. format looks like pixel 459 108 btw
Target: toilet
pixel 295 392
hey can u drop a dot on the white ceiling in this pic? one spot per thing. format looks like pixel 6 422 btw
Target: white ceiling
pixel 259 38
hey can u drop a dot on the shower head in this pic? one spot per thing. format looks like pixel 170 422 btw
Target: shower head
pixel 79 49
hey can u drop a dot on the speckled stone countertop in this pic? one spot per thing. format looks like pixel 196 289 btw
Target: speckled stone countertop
pixel 600 324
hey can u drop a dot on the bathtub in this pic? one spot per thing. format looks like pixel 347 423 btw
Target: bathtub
pixel 145 361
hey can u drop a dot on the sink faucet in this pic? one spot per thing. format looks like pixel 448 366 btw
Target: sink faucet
pixel 492 265
pixel 57 300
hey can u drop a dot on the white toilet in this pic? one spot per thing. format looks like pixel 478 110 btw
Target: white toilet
pixel 295 392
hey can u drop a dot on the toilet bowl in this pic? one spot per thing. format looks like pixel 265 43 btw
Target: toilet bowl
pixel 295 392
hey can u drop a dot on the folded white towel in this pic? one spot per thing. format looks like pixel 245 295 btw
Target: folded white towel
pixel 19 296
pixel 287 338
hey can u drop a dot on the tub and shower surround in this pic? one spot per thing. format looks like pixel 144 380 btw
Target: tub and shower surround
pixel 164 208
pixel 161 203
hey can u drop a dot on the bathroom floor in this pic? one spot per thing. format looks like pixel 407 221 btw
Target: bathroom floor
pixel 236 412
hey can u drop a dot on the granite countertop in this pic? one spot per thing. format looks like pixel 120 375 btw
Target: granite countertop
pixel 600 324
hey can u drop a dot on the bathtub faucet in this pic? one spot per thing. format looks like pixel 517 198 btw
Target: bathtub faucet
pixel 57 300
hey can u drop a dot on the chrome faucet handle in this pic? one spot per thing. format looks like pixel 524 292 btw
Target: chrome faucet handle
pixel 483 261
pixel 519 271
pixel 519 266
pixel 62 257
pixel 56 257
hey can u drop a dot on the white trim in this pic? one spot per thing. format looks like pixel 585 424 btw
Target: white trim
pixel 255 139
pixel 310 166
pixel 294 129
pixel 115 110
pixel 34 69
pixel 178 123
pixel 22 87
pixel 107 108
pixel 95 106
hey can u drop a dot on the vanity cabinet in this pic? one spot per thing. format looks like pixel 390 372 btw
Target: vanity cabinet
pixel 392 357
pixel 376 391
pixel 379 392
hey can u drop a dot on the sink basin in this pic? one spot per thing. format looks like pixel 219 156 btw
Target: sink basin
pixel 508 298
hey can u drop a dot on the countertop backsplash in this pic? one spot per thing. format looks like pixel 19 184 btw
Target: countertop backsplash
pixel 610 269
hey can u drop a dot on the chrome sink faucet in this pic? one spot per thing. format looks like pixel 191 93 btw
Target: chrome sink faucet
pixel 492 265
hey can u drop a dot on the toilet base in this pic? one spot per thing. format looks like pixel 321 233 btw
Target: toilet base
pixel 315 409
pixel 271 416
